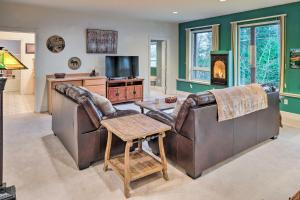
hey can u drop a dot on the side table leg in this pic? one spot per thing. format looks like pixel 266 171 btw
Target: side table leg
pixel 127 169
pixel 162 155
pixel 107 151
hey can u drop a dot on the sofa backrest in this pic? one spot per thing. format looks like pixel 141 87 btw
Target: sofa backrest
pixel 204 120
pixel 202 99
pixel 84 98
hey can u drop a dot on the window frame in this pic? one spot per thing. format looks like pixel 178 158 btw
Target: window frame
pixel 192 57
pixel 255 24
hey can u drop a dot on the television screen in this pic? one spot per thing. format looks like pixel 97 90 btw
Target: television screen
pixel 121 66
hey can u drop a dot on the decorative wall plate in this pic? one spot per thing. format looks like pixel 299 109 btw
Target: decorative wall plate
pixel 55 44
pixel 74 63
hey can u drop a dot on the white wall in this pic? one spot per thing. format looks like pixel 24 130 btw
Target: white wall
pixel 26 83
pixel 133 40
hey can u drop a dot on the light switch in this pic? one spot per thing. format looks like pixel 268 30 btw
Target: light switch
pixel 285 101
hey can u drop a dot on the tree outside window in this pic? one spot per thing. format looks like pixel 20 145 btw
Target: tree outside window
pixel 201 48
pixel 262 65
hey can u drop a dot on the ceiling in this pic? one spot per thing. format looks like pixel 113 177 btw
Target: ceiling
pixel 160 10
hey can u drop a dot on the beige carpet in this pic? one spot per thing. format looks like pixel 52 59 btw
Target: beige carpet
pixel 40 167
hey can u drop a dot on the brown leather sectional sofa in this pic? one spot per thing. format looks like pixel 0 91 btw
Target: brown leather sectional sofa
pixel 76 122
pixel 198 141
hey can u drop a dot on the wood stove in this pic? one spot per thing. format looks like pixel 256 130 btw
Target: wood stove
pixel 220 68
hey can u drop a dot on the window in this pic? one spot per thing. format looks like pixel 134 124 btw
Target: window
pixel 259 53
pixel 153 56
pixel 200 62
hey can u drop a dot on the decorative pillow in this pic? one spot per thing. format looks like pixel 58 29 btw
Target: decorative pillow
pixel 62 87
pixel 176 109
pixel 74 92
pixel 103 104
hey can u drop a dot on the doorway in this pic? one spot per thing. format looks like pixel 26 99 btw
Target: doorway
pixel 157 68
pixel 20 85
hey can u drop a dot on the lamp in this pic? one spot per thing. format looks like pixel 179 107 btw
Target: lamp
pixel 7 62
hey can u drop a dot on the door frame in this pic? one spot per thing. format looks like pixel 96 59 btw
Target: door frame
pixel 33 31
pixel 166 40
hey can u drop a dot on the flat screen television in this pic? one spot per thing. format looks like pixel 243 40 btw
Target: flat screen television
pixel 121 66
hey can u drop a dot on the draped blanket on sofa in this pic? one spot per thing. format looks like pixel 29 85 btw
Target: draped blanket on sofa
pixel 234 102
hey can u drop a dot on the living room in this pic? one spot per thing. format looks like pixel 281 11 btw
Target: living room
pixel 152 100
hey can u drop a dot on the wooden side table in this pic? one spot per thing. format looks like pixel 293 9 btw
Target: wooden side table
pixel 137 164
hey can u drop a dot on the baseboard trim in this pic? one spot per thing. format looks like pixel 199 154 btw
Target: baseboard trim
pixel 290 119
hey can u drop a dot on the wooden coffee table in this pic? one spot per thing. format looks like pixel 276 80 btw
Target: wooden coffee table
pixel 152 105
pixel 137 164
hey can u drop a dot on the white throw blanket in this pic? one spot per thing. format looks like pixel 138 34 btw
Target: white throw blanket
pixel 234 102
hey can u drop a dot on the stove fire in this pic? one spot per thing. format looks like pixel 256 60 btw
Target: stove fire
pixel 219 70
pixel 219 73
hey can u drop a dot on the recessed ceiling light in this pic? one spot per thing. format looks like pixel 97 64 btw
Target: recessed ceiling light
pixel 222 0
pixel 175 12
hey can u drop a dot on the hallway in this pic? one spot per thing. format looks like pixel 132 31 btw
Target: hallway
pixel 15 103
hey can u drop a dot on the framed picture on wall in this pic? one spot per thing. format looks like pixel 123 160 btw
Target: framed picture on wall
pixel 102 41
pixel 30 48
pixel 295 58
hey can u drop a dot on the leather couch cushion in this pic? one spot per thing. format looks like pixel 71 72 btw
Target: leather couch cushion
pixel 163 117
pixel 121 113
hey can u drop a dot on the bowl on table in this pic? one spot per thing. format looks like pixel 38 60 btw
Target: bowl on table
pixel 171 99
pixel 59 75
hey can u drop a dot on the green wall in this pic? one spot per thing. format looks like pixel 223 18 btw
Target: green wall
pixel 292 76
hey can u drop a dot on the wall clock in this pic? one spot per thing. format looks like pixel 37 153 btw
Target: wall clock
pixel 55 44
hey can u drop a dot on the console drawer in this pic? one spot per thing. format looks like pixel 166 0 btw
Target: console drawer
pixel 99 89
pixel 101 81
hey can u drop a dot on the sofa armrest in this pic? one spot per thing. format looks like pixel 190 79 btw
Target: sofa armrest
pixel 162 117
pixel 183 113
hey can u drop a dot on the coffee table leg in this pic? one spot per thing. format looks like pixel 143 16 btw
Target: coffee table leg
pixel 107 151
pixel 127 169
pixel 162 155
